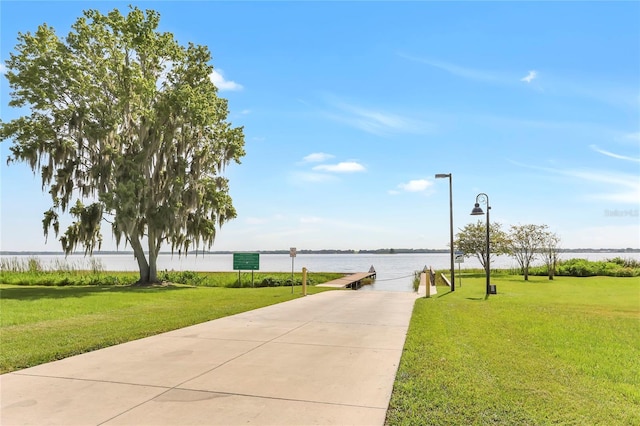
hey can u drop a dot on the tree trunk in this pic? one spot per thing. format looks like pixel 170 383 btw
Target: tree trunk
pixel 153 269
pixel 482 259
pixel 525 268
pixel 143 266
pixel 154 249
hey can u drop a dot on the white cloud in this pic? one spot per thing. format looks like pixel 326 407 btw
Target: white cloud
pixel 317 157
pixel 457 70
pixel 376 122
pixel 613 155
pixel 617 187
pixel 417 185
pixel 221 83
pixel 469 73
pixel 530 77
pixel 342 167
pixel 621 188
pixel 633 136
pixel 3 68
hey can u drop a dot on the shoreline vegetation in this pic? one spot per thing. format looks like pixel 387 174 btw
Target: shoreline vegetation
pixel 32 271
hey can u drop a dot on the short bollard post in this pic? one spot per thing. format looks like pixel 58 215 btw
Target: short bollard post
pixel 304 281
pixel 428 285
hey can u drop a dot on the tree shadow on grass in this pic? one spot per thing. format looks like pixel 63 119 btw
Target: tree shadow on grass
pixel 35 293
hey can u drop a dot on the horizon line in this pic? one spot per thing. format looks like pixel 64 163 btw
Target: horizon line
pixel 304 251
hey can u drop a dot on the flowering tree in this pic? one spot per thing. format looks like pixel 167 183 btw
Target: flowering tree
pixel 472 241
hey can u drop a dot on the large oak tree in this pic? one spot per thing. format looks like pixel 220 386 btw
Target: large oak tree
pixel 125 126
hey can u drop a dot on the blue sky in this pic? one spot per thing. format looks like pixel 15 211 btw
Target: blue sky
pixel 350 109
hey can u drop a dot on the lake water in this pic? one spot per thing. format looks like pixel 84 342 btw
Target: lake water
pixel 394 271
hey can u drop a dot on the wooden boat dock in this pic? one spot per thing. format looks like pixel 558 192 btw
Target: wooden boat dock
pixel 352 281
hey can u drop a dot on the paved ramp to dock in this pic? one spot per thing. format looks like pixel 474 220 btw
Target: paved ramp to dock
pixel 326 359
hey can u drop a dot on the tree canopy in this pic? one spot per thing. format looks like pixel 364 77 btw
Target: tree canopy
pixel 549 252
pixel 525 243
pixel 472 241
pixel 125 126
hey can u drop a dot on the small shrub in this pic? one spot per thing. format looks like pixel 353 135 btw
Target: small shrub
pixel 627 272
pixel 182 277
pixel 539 271
pixel 64 281
pixel 616 267
pixel 110 280
pixel 626 263
pixel 266 282
pixel 577 268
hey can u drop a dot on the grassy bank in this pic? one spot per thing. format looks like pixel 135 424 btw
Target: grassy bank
pixel 539 352
pixel 41 324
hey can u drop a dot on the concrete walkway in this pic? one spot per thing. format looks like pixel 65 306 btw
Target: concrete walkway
pixel 325 359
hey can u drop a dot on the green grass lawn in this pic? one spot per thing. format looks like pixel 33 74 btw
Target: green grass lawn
pixel 41 324
pixel 538 353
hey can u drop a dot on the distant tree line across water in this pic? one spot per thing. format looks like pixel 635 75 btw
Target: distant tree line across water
pixel 323 251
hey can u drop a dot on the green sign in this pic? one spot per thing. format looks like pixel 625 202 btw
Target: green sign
pixel 246 261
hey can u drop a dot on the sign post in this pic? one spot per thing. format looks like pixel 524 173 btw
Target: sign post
pixel 459 258
pixel 292 254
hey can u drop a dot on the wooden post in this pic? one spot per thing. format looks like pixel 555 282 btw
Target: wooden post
pixel 428 282
pixel 304 281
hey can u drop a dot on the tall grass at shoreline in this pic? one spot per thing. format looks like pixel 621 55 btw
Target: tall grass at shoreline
pixel 33 264
pixel 32 271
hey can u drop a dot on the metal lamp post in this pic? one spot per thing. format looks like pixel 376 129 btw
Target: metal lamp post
pixel 448 175
pixel 477 211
